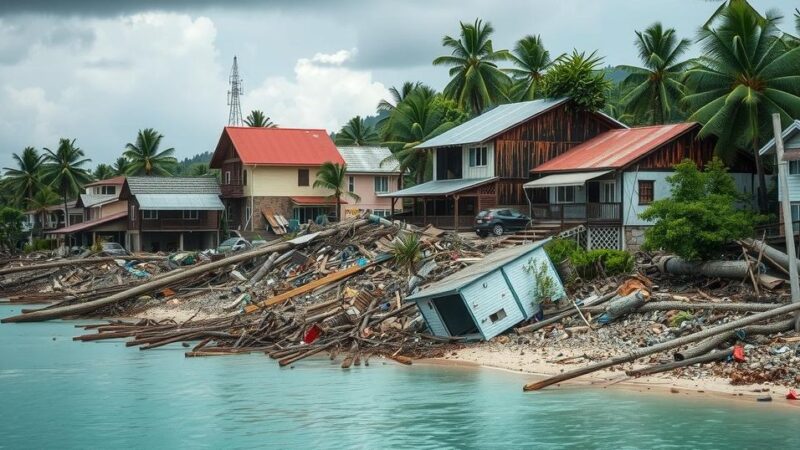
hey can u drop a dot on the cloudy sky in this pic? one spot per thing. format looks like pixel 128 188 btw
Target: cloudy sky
pixel 99 70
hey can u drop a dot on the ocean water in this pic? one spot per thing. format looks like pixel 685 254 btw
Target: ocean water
pixel 57 393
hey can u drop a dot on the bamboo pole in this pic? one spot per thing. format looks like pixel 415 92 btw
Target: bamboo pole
pixel 664 346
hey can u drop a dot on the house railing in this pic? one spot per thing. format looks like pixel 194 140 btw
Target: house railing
pixel 577 212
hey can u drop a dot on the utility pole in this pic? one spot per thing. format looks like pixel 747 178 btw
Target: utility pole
pixel 235 90
pixel 786 209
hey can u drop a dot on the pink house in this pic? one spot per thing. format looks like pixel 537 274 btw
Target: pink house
pixel 370 172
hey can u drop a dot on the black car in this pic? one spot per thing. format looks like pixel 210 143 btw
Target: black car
pixel 498 221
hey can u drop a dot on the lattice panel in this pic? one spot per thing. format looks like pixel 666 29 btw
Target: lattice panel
pixel 578 234
pixel 487 189
pixel 605 237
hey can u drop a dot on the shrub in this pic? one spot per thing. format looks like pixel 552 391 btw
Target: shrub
pixel 589 264
pixel 545 284
pixel 560 250
pixel 578 77
pixel 702 215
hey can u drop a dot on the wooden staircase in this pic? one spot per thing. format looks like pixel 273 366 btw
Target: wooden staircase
pixel 536 232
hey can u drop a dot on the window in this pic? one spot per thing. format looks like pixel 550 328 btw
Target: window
pixel 381 184
pixel 244 177
pixel 382 212
pixel 565 194
pixel 646 192
pixel 498 316
pixel 302 177
pixel 351 184
pixel 190 215
pixel 794 167
pixel 608 192
pixel 227 177
pixel 149 215
pixel 477 156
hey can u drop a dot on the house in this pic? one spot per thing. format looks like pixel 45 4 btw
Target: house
pixel 104 214
pixel 172 213
pixel 488 297
pixel 791 154
pixel 370 172
pixel 268 175
pixel 484 162
pixel 51 220
pixel 606 182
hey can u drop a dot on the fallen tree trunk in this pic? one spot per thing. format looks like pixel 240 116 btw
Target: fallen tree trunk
pixel 664 346
pixel 723 269
pixel 81 308
pixel 713 342
pixel 771 253
pixel 76 262
pixel 710 357
pixel 263 269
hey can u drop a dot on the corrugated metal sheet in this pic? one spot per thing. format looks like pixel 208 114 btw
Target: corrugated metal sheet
pixel 490 295
pixel 180 202
pixel 565 179
pixel 89 200
pixel 491 123
pixel 173 185
pixel 615 149
pixel 281 146
pixel 89 223
pixel 440 187
pixel 369 160
pixel 115 181
pixel 462 278
pixel 788 133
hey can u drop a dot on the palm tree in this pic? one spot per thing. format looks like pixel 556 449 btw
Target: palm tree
pixel 656 88
pixel 357 132
pixel 120 166
pixel 144 157
pixel 333 177
pixel 531 61
pixel 419 117
pixel 259 120
pixel 63 170
pixel 41 200
pixel 398 95
pixel 103 172
pixel 25 178
pixel 745 74
pixel 476 81
pixel 578 77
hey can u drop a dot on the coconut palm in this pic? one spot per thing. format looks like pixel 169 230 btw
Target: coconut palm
pixel 145 158
pixel 63 170
pixel 258 119
pixel 419 117
pixel 657 87
pixel 120 166
pixel 333 176
pixel 41 200
pixel 531 61
pixel 357 132
pixel 103 172
pixel 25 179
pixel 476 81
pixel 745 74
pixel 578 77
pixel 398 95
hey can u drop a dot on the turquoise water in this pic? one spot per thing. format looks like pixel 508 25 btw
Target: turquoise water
pixel 64 394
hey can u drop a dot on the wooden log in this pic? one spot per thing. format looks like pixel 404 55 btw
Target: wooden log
pixel 664 346
pixel 263 269
pixel 658 368
pixel 621 306
pixel 713 342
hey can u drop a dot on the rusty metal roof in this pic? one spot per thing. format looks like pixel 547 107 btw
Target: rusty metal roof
pixel 615 149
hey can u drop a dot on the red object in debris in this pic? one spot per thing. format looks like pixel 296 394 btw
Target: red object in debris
pixel 312 334
pixel 738 353
pixel 792 395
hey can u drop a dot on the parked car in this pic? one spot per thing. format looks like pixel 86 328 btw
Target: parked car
pixel 498 221
pixel 113 249
pixel 234 244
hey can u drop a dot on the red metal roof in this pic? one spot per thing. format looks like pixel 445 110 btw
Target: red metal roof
pixel 312 200
pixel 89 223
pixel 615 149
pixel 278 146
pixel 109 181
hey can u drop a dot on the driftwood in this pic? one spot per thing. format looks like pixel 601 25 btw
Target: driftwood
pixel 711 343
pixel 709 357
pixel 664 346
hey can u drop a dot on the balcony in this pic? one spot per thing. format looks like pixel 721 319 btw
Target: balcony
pixel 232 190
pixel 600 213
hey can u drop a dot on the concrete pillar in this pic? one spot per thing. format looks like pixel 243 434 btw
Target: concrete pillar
pixel 180 241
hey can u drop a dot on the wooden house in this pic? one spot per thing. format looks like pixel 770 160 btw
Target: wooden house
pixel 104 214
pixel 488 297
pixel 484 162
pixel 370 173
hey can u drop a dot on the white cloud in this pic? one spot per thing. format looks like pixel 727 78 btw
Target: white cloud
pixel 324 93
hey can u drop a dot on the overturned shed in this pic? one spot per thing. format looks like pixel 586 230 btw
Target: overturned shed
pixel 489 297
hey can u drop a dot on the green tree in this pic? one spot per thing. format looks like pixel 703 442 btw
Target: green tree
pixel 398 95
pixel 577 76
pixel 63 170
pixel 702 215
pixel 422 115
pixel 144 156
pixel 120 166
pixel 103 172
pixel 43 199
pixel 203 170
pixel 656 88
pixel 475 80
pixel 258 119
pixel 745 74
pixel 24 180
pixel 357 132
pixel 10 227
pixel 333 176
pixel 531 61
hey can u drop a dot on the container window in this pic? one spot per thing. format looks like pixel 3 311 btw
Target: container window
pixel 498 316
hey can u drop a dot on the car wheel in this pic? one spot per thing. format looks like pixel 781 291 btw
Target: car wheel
pixel 497 230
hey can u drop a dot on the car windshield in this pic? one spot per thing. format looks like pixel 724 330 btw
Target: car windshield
pixel 231 241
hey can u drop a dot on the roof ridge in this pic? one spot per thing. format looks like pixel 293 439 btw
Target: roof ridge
pixel 276 128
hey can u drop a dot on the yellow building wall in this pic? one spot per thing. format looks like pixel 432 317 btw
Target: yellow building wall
pixel 272 181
